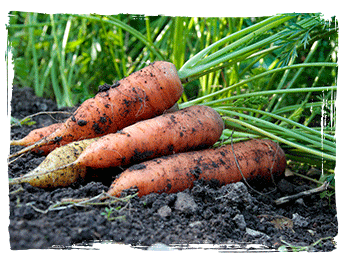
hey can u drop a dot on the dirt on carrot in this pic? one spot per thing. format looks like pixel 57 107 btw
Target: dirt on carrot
pixel 256 161
pixel 142 95
pixel 193 128
pixel 56 177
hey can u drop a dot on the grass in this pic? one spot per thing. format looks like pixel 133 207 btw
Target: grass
pixel 270 77
pixel 120 203
pixel 296 248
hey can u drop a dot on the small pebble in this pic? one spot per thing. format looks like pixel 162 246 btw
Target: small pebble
pixel 240 222
pixel 185 203
pixel 195 224
pixel 164 211
pixel 299 221
pixel 255 233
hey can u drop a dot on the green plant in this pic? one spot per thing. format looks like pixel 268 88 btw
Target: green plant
pixel 295 248
pixel 108 211
pixel 25 121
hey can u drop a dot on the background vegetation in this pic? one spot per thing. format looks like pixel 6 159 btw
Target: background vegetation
pixel 270 77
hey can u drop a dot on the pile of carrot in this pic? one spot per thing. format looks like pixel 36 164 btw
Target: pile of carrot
pixel 129 123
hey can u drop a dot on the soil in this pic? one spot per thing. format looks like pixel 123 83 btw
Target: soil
pixel 230 217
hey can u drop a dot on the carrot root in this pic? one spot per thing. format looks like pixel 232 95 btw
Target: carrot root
pixel 20 142
pixel 37 135
pixel 260 161
pixel 193 128
pixel 29 148
pixel 58 169
pixel 144 94
pixel 42 179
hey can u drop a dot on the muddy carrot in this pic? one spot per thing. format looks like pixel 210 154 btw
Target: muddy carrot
pixel 259 162
pixel 142 95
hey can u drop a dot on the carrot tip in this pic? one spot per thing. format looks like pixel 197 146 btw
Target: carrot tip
pixel 18 180
pixel 16 142
pixel 28 148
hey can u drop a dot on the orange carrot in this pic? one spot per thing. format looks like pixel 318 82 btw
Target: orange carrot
pixel 259 162
pixel 36 135
pixel 189 129
pixel 142 95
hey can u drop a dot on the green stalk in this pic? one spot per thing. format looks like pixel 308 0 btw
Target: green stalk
pixel 198 63
pixel 307 106
pixel 122 53
pixel 198 57
pixel 282 119
pixel 242 58
pixel 148 35
pixel 277 128
pixel 325 144
pixel 269 92
pixel 38 91
pixel 60 54
pixel 219 54
pixel 282 140
pixel 241 83
pixel 178 41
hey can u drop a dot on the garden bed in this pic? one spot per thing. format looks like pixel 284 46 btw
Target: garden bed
pixel 232 217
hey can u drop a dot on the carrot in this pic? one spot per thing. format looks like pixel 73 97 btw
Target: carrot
pixel 142 95
pixel 189 129
pixel 259 161
pixel 36 135
pixel 57 158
